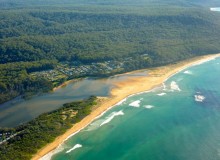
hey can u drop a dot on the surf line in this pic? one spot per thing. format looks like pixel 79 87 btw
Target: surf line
pixel 190 64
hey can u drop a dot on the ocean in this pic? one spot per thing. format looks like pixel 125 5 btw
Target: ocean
pixel 178 121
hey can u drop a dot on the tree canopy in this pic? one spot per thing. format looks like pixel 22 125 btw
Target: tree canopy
pixel 41 35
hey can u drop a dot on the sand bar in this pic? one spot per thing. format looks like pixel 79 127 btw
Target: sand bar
pixel 123 89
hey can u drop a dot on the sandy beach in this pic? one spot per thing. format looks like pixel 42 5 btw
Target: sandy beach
pixel 123 89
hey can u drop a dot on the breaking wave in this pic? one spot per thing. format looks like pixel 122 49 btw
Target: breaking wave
pixel 161 94
pixel 101 122
pixel 199 98
pixel 174 86
pixel 164 87
pixel 148 106
pixel 111 116
pixel 135 103
pixel 121 102
pixel 48 156
pixel 215 9
pixel 75 147
pixel 188 72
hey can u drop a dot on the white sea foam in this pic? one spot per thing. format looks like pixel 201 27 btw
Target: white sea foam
pixel 179 79
pixel 48 156
pixel 111 116
pixel 148 106
pixel 194 64
pixel 121 102
pixel 174 86
pixel 94 125
pixel 161 94
pixel 215 9
pixel 91 126
pixel 199 98
pixel 204 61
pixel 188 72
pixel 75 147
pixel 135 103
pixel 164 87
pixel 100 122
pixel 59 149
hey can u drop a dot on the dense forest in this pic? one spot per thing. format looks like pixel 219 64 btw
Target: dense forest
pixel 36 35
pixel 39 35
pixel 15 79
pixel 182 3
pixel 29 138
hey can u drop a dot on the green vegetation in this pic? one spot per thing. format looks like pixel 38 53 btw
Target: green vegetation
pixel 15 79
pixel 95 38
pixel 30 137
pixel 45 33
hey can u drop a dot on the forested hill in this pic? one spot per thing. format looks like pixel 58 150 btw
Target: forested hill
pixel 38 35
pixel 88 36
pixel 186 3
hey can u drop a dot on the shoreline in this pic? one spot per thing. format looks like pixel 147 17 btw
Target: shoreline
pixel 126 88
pixel 65 83
pixel 79 79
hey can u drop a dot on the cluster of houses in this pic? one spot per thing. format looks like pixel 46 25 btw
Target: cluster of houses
pixel 76 69
pixel 91 69
pixel 5 136
pixel 64 70
pixel 51 75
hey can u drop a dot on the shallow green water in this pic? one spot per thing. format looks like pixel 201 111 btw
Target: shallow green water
pixel 175 122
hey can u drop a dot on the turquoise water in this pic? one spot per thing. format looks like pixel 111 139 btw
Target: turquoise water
pixel 179 121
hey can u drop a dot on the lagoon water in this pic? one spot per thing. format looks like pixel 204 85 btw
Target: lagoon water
pixel 19 111
pixel 179 121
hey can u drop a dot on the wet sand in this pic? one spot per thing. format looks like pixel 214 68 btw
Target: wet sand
pixel 123 89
